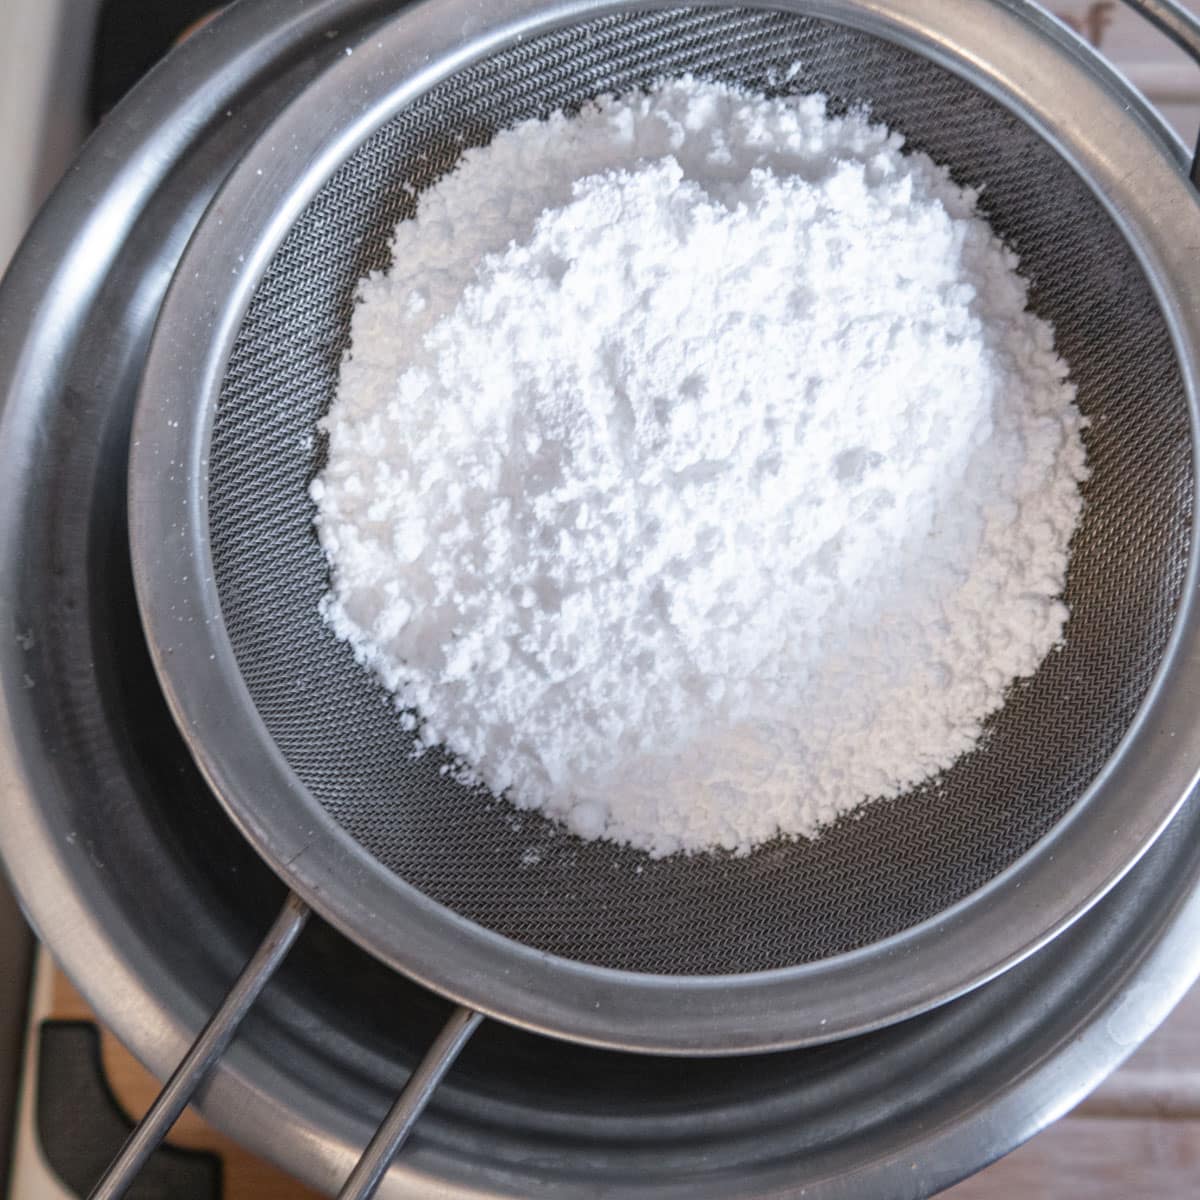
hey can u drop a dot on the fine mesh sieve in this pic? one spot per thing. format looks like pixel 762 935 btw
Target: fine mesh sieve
pixel 902 906
pixel 899 862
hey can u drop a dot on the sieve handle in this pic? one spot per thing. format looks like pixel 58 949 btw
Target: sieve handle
pixel 393 1132
pixel 1183 28
pixel 1170 17
pixel 205 1051
pixel 214 1041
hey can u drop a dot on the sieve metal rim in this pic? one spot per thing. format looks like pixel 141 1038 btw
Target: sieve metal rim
pixel 1003 48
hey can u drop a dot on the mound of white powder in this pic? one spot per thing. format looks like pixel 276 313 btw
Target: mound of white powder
pixel 697 472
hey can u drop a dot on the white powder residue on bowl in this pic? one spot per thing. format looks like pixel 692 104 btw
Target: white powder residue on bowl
pixel 697 472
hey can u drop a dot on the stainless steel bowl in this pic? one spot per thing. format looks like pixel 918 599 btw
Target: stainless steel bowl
pixel 151 899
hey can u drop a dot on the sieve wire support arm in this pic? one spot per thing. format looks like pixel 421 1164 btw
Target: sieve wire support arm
pixel 369 1171
pixel 1174 20
pixel 205 1051
pixel 215 1038
pixel 1171 18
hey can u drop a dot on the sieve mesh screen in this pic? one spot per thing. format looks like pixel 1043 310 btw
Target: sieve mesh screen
pixel 900 861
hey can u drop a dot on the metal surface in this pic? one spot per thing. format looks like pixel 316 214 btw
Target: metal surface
pixel 203 1054
pixel 279 719
pixel 398 1124
pixel 1182 26
pixel 896 864
pixel 37 141
pixel 16 962
pixel 115 845
pixel 1179 23
pixel 45 49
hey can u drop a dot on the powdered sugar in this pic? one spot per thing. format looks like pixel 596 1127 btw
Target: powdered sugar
pixel 697 472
